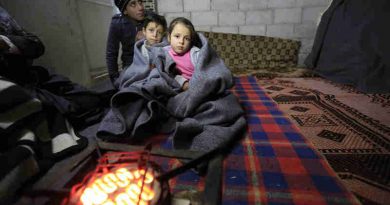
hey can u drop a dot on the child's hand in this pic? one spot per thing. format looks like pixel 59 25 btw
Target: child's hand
pixel 139 35
pixel 185 86
pixel 152 66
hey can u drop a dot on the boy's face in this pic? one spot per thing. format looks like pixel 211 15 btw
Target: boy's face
pixel 153 33
pixel 135 10
pixel 180 39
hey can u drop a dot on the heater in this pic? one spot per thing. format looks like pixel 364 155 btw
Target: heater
pixel 121 174
pixel 121 178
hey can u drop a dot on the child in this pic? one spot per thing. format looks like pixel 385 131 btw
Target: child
pixel 206 116
pixel 125 30
pixel 154 28
pixel 182 49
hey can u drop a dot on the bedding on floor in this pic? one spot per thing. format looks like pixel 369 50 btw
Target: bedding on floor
pixel 273 164
pixel 349 127
pixel 29 146
pixel 202 118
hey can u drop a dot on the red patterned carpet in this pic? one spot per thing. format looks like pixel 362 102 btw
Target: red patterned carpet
pixel 351 129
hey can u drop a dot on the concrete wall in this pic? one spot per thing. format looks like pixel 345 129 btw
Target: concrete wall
pixel 293 19
pixel 74 33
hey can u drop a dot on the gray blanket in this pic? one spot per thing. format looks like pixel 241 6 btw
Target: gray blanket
pixel 204 117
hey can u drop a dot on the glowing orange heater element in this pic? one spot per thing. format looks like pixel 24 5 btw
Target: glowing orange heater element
pixel 117 180
pixel 123 187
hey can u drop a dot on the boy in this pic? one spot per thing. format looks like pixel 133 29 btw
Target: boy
pixel 153 29
pixel 125 30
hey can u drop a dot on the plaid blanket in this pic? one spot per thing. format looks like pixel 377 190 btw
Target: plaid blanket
pixel 273 164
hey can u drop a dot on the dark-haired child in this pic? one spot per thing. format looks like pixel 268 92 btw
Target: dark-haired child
pixel 125 29
pixel 154 29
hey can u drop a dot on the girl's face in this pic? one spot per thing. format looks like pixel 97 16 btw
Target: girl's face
pixel 153 33
pixel 180 39
pixel 135 10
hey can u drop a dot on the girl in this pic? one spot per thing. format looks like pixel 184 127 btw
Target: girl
pixel 182 49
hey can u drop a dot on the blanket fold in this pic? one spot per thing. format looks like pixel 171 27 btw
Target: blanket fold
pixel 33 138
pixel 150 100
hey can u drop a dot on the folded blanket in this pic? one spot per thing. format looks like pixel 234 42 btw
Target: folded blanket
pixel 28 145
pixel 204 117
pixel 25 114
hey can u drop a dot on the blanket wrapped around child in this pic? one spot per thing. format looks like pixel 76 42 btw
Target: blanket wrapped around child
pixel 150 100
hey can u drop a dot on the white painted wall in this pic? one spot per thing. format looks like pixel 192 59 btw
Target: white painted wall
pixel 293 19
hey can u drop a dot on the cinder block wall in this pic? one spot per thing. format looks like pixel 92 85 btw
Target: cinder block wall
pixel 293 19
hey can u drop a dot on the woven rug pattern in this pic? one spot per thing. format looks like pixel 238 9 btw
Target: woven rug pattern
pixel 351 129
pixel 272 164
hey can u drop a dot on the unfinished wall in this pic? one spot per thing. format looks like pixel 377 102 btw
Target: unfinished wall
pixel 293 19
pixel 75 31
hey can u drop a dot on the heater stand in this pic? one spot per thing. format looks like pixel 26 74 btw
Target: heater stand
pixel 55 184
